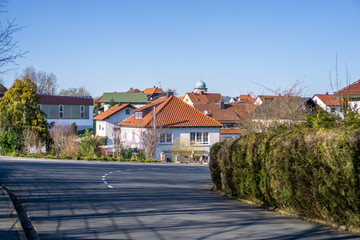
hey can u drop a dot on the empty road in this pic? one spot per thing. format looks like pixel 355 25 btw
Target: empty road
pixel 96 200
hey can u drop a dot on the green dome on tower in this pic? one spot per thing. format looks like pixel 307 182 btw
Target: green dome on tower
pixel 200 84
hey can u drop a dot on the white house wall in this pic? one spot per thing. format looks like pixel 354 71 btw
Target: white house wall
pixel 132 139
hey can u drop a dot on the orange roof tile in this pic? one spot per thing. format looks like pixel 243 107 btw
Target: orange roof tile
pixel 150 91
pixel 112 111
pixel 352 89
pixel 231 131
pixel 154 103
pixel 173 113
pixel 203 98
pixel 232 113
pixel 328 99
pixel 100 99
pixel 134 90
pixel 246 99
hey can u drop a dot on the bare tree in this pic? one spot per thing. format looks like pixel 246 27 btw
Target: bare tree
pixel 64 140
pixel 286 108
pixel 45 82
pixel 181 147
pixel 150 140
pixel 81 91
pixel 9 50
pixel 118 142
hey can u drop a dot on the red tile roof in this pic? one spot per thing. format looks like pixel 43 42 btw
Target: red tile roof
pixel 246 99
pixel 100 99
pixel 112 111
pixel 134 90
pixel 173 113
pixel 328 99
pixel 203 98
pixel 352 89
pixel 232 113
pixel 224 131
pixel 150 91
pixel 154 103
pixel 64 100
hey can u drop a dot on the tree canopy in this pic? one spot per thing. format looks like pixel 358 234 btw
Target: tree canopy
pixel 19 110
pixel 45 82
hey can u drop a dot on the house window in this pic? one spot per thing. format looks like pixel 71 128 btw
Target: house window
pixel 82 111
pixel 199 138
pixel 166 138
pixel 138 115
pixel 127 111
pixel 99 126
pixel 61 111
pixel 333 109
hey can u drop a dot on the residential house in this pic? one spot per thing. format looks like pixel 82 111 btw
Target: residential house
pixel 329 102
pixel 136 99
pixel 202 98
pixel 106 122
pixel 351 95
pixel 245 99
pixel 230 115
pixel 65 110
pixel 266 98
pixel 175 121
pixel 154 93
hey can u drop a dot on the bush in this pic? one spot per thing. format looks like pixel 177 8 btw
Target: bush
pixel 9 142
pixel 314 172
pixel 88 145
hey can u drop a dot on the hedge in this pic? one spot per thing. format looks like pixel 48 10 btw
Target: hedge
pixel 312 172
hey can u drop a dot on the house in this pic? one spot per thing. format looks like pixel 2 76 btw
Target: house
pixel 154 93
pixel 135 98
pixel 351 95
pixel 106 122
pixel 175 121
pixel 329 102
pixel 65 110
pixel 245 99
pixel 202 98
pixel 230 115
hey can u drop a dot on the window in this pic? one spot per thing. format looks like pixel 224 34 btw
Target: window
pixel 82 111
pixel 99 126
pixel 166 138
pixel 199 138
pixel 138 115
pixel 333 109
pixel 61 111
pixel 127 111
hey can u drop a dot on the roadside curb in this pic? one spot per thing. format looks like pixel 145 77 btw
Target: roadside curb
pixel 13 215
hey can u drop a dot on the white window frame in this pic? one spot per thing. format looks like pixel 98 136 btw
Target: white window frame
pixel 199 138
pixel 165 138
pixel 138 115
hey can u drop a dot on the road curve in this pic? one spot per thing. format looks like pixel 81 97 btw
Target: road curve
pixel 96 200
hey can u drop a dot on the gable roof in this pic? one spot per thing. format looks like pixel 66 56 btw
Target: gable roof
pixel 48 99
pixel 203 98
pixel 231 113
pixel 133 90
pixel 112 111
pixel 328 99
pixel 124 97
pixel 352 89
pixel 246 99
pixel 150 91
pixel 173 113
pixel 150 105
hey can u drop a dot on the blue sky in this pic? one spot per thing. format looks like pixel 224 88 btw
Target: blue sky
pixel 235 46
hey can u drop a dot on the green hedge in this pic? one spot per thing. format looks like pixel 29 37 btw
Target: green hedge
pixel 312 172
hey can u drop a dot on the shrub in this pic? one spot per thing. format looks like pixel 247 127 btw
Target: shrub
pixel 9 142
pixel 314 172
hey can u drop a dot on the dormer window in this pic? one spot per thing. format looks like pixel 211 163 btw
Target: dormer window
pixel 138 115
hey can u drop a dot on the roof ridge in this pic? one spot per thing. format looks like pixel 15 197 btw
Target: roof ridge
pixel 347 87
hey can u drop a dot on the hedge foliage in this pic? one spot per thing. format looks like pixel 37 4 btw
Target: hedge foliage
pixel 310 171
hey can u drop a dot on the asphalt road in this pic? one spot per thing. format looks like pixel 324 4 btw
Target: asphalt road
pixel 95 200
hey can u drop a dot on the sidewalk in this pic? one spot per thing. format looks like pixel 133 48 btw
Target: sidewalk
pixel 10 226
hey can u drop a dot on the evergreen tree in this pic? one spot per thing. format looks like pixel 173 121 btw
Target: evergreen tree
pixel 19 110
